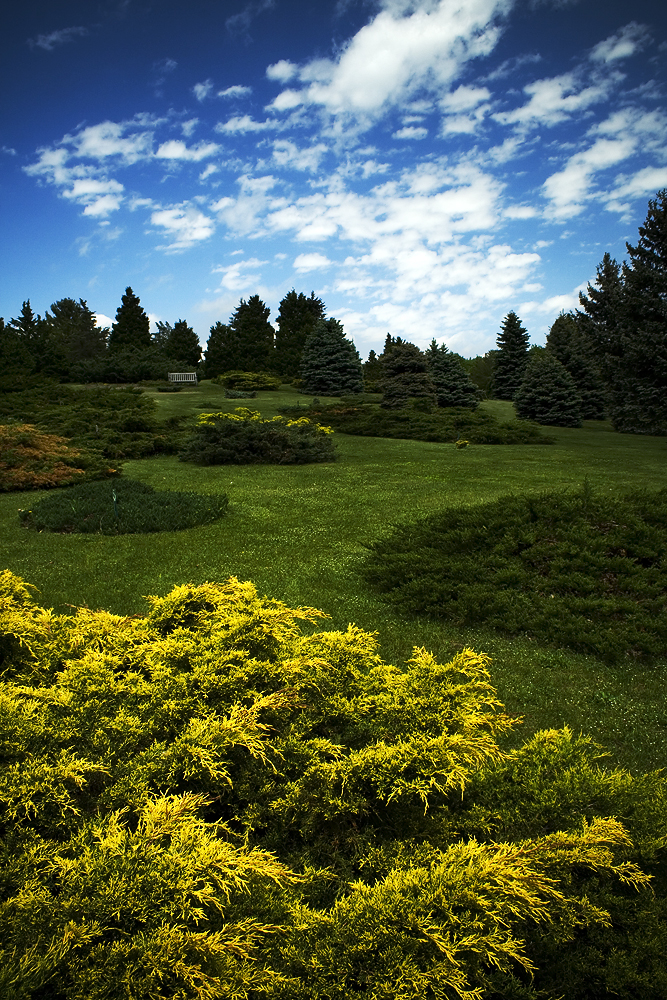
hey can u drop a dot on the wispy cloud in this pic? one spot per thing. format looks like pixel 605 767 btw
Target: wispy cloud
pixel 239 24
pixel 57 38
pixel 311 262
pixel 184 224
pixel 625 43
pixel 237 90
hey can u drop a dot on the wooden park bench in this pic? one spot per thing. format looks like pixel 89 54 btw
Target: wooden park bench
pixel 182 378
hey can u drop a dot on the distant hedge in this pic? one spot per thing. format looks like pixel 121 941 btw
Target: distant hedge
pixel 244 438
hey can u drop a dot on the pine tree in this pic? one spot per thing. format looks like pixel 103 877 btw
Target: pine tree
pixel 183 345
pixel 74 326
pixel 330 363
pixel 297 316
pixel 405 376
pixel 253 334
pixel 16 360
pixel 568 345
pixel 222 352
pixel 161 335
pixel 548 393
pixel 372 371
pixel 132 326
pixel 512 357
pixel 453 385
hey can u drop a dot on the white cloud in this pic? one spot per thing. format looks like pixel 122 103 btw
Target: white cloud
pixel 203 90
pixel 283 71
pixel 404 48
pixel 410 132
pixel 645 182
pixel 175 149
pixel 101 320
pixel 552 101
pixel 243 214
pixel 630 39
pixel 311 262
pixel 288 154
pixel 464 99
pixel 186 224
pixel 97 142
pixel 241 275
pixel 244 123
pixel 235 91
pixel 56 38
pixel 210 169
pixel 188 127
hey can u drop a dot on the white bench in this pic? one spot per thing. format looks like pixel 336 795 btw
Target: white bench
pixel 182 378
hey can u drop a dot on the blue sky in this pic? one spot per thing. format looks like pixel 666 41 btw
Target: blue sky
pixel 423 165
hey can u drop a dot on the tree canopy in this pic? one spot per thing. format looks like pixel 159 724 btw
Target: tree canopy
pixel 132 326
pixel 511 358
pixel 297 316
pixel 453 385
pixel 330 363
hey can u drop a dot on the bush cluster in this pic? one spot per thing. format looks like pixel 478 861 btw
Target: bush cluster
pixel 123 507
pixel 31 459
pixel 111 423
pixel 571 568
pixel 243 438
pixel 206 803
pixel 443 425
pixel 248 381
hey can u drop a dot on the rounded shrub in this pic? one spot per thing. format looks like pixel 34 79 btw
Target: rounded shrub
pixel 244 438
pixel 121 508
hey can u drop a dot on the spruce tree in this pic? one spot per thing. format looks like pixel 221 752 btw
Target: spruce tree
pixel 253 334
pixel 16 360
pixel 223 353
pixel 74 326
pixel 453 385
pixel 330 363
pixel 568 345
pixel 297 316
pixel 548 393
pixel 161 335
pixel 183 345
pixel 512 357
pixel 372 371
pixel 132 326
pixel 405 376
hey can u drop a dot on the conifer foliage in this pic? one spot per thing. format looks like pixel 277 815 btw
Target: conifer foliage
pixel 405 375
pixel 251 336
pixel 297 316
pixel 567 342
pixel 182 344
pixel 548 394
pixel 132 326
pixel 330 363
pixel 453 385
pixel 512 357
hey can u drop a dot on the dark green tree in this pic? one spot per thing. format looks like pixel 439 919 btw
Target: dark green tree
pixel 297 316
pixel 222 352
pixel 568 344
pixel 27 326
pixel 405 376
pixel 548 393
pixel 628 326
pixel 480 369
pixel 161 335
pixel 512 357
pixel 253 334
pixel 183 345
pixel 372 372
pixel 132 326
pixel 73 325
pixel 453 385
pixel 16 360
pixel 330 363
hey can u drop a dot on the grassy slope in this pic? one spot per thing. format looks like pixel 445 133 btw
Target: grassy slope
pixel 297 532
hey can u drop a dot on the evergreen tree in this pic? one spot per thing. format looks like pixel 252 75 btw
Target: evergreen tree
pixel 637 369
pixel 222 352
pixel 132 326
pixel 74 327
pixel 405 375
pixel 330 363
pixel 27 326
pixel 253 334
pixel 297 316
pixel 480 370
pixel 548 393
pixel 372 371
pixel 453 385
pixel 161 335
pixel 568 345
pixel 183 345
pixel 512 357
pixel 16 360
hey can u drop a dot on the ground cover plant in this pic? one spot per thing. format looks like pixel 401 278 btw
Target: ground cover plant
pixel 248 381
pixel 210 799
pixel 120 508
pixel 243 437
pixel 572 568
pixel 32 459
pixel 115 423
pixel 442 425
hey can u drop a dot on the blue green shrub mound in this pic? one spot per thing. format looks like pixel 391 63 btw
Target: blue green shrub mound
pixel 245 438
pixel 574 569
pixel 123 507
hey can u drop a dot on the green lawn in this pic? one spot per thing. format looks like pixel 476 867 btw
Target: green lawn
pixel 298 532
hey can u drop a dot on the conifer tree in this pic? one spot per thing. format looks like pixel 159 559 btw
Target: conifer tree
pixel 512 357
pixel 453 385
pixel 568 344
pixel 16 360
pixel 330 363
pixel 635 356
pixel 182 344
pixel 253 335
pixel 132 326
pixel 73 325
pixel 161 335
pixel 548 393
pixel 222 352
pixel 372 371
pixel 297 316
pixel 405 375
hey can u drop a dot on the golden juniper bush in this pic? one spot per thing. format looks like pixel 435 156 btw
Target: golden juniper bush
pixel 205 802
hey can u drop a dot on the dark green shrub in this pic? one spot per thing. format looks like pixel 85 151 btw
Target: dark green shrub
pixel 442 425
pixel 248 381
pixel 240 394
pixel 570 568
pixel 122 507
pixel 243 438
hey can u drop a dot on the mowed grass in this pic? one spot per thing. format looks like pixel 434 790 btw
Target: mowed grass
pixel 298 533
